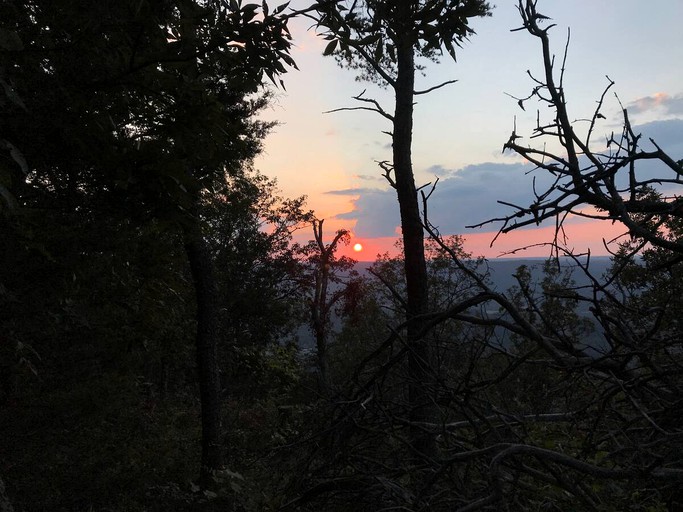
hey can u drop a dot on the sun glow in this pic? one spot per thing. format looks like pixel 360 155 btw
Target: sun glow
pixel 358 247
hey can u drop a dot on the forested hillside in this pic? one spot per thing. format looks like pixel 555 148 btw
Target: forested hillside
pixel 154 301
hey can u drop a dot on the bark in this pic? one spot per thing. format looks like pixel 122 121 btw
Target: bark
pixel 320 322
pixel 201 268
pixel 419 360
pixel 321 350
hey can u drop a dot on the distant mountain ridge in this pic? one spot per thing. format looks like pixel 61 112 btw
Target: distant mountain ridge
pixel 502 270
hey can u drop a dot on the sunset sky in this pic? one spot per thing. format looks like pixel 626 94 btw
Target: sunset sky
pixel 460 129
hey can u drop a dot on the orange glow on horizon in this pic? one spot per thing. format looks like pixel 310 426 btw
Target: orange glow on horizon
pixel 581 236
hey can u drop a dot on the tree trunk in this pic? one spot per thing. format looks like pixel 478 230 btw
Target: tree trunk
pixel 320 305
pixel 201 267
pixel 323 377
pixel 419 360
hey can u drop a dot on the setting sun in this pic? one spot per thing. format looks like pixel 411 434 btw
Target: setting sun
pixel 358 247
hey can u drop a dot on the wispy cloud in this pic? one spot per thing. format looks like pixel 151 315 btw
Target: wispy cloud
pixel 463 197
pixel 350 191
pixel 672 105
pixel 376 213
pixel 438 170
pixel 367 177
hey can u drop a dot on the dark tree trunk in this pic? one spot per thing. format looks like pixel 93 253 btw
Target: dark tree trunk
pixel 321 320
pixel 320 305
pixel 201 267
pixel 321 347
pixel 419 360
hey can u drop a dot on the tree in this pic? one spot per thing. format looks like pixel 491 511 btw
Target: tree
pixel 326 271
pixel 382 39
pixel 450 284
pixel 648 276
pixel 622 387
pixel 170 112
pixel 607 180
pixel 250 231
pixel 250 235
pixel 366 453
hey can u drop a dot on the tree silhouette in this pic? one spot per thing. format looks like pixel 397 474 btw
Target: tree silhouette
pixel 608 180
pixel 381 40
pixel 149 106
pixel 326 267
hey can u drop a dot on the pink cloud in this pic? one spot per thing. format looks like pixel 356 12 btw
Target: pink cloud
pixel 660 100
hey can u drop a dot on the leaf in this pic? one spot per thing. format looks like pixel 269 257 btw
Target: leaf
pixel 373 38
pixel 379 51
pixel 252 8
pixel 234 474
pixel 451 50
pixel 248 15
pixel 331 46
pixel 280 8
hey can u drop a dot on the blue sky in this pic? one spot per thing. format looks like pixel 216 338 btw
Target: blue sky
pixel 460 129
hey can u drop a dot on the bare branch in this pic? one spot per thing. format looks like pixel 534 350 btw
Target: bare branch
pixel 434 88
pixel 377 107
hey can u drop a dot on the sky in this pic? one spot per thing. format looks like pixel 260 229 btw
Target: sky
pixel 459 130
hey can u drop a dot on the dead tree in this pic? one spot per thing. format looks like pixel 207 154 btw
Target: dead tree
pixel 634 377
pixel 384 41
pixel 323 300
pixel 608 180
